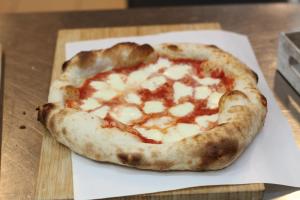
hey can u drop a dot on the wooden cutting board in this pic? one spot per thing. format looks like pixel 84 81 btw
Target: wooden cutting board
pixel 55 170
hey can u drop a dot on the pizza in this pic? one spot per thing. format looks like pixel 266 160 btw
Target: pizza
pixel 178 106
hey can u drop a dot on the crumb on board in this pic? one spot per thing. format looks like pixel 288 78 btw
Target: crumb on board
pixel 22 127
pixel 24 112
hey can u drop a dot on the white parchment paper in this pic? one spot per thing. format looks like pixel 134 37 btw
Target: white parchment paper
pixel 273 157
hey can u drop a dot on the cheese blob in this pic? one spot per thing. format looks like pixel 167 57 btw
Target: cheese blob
pixel 161 63
pixel 101 112
pixel 89 104
pixel 99 85
pixel 126 114
pixel 207 80
pixel 133 98
pixel 105 95
pixel 153 134
pixel 182 109
pixel 177 72
pixel 103 90
pixel 213 100
pixel 181 90
pixel 203 121
pixel 137 77
pixel 116 82
pixel 202 92
pixel 153 107
pixel 154 83
pixel 161 122
pixel 181 131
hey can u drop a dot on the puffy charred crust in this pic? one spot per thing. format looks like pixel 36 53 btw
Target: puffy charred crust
pixel 71 92
pixel 120 55
pixel 133 159
pixel 235 93
pixel 44 113
pixel 223 151
pixel 263 100
pixel 254 74
pixel 231 95
pixel 84 60
pixel 173 47
pixel 65 65
pixel 213 46
pixel 162 165
pixel 130 54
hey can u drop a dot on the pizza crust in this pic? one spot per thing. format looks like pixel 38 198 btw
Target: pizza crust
pixel 241 112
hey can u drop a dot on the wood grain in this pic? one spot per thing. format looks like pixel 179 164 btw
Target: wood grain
pixel 55 174
pixel 29 40
pixel 25 6
pixel 1 97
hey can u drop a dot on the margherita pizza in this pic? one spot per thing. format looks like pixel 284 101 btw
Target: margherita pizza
pixel 162 107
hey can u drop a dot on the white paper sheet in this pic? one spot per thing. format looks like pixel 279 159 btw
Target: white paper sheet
pixel 273 157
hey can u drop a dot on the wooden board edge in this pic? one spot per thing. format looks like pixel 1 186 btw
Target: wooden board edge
pixel 1 101
pixel 257 192
pixel 68 35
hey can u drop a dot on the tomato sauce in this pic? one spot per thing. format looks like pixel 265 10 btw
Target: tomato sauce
pixel 163 93
pixel 109 122
pixel 200 109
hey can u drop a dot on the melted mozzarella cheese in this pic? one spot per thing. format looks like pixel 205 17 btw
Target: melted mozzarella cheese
pixel 99 85
pixel 153 134
pixel 103 90
pixel 116 82
pixel 154 83
pixel 89 104
pixel 203 121
pixel 126 114
pixel 182 109
pixel 153 107
pixel 213 100
pixel 101 112
pixel 161 122
pixel 160 64
pixel 207 80
pixel 137 77
pixel 180 131
pixel 181 90
pixel 177 72
pixel 106 94
pixel 202 92
pixel 133 98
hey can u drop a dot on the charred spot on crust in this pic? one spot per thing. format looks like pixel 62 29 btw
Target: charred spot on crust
pixel 44 112
pixel 130 159
pixel 224 149
pixel 141 51
pixel 86 58
pixel 254 74
pixel 130 54
pixel 162 165
pixel 213 46
pixel 65 65
pixel 173 47
pixel 89 148
pixel 263 100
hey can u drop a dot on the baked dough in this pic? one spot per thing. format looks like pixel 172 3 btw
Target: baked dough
pixel 242 111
